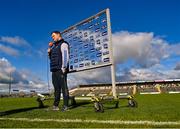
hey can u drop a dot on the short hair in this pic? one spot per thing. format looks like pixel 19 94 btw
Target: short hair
pixel 56 32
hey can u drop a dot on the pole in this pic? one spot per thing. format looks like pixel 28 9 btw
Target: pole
pixel 113 77
pixel 10 84
pixel 48 74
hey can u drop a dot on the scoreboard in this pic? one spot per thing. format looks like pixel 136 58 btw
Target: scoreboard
pixel 89 42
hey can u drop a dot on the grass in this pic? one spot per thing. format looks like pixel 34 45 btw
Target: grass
pixel 158 108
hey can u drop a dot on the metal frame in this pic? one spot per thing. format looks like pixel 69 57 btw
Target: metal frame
pixel 81 22
pixel 111 63
pixel 113 77
pixel 89 68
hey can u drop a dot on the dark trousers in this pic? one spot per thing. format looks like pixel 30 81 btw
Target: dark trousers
pixel 59 80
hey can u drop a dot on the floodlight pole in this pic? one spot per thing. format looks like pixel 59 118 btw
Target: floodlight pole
pixel 113 78
pixel 48 74
pixel 10 83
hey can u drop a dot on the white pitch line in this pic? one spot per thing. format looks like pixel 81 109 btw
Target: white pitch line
pixel 95 121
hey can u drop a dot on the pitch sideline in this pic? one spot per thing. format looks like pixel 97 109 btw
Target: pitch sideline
pixel 95 121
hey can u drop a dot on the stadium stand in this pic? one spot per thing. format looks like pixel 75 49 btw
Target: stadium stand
pixel 129 88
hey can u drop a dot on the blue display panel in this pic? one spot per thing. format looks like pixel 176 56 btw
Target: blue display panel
pixel 89 43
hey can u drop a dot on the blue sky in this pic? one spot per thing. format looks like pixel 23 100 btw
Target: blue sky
pixel 37 17
pixel 33 20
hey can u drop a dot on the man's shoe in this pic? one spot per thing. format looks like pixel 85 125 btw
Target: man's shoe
pixel 55 108
pixel 64 109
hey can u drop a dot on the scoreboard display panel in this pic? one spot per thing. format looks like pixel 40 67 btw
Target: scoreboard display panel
pixel 89 43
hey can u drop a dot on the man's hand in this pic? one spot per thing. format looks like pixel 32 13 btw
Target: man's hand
pixel 50 45
pixel 63 70
pixel 49 50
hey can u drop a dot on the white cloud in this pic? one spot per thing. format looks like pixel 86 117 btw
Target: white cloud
pixel 8 50
pixel 177 67
pixel 23 79
pixel 100 75
pixel 175 49
pixel 5 69
pixel 10 45
pixel 148 74
pixel 146 50
pixel 18 41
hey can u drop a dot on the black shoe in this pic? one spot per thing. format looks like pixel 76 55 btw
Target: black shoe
pixel 64 109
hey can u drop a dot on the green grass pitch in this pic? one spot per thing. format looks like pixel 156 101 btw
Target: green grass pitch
pixel 153 111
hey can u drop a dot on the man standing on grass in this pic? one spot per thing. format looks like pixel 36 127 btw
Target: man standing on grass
pixel 59 59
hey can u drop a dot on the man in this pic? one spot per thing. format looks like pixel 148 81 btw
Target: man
pixel 59 59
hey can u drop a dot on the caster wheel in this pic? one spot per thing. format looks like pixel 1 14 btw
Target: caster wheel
pixel 132 103
pixel 98 107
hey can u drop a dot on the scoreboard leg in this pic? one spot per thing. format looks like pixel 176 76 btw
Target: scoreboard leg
pixel 113 81
pixel 111 55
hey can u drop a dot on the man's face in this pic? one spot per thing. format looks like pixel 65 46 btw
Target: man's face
pixel 55 37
